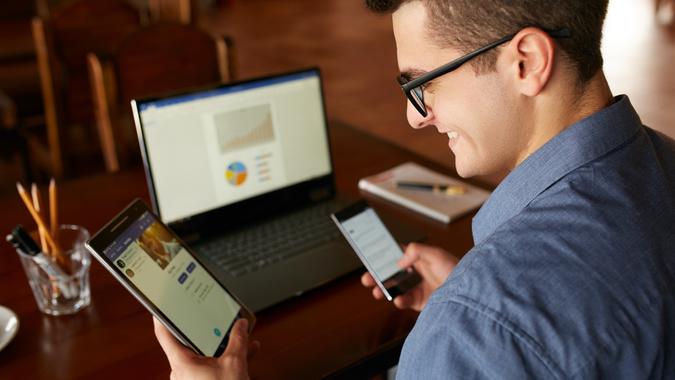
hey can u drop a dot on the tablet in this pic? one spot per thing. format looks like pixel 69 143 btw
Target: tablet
pixel 152 263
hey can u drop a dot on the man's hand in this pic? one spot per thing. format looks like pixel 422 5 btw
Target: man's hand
pixel 432 263
pixel 185 364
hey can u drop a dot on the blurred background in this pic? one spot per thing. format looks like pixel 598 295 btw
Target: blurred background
pixel 69 67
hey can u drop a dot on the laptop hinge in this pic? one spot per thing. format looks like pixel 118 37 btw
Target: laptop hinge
pixel 191 238
pixel 319 193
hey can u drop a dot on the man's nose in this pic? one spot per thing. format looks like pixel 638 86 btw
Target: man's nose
pixel 415 118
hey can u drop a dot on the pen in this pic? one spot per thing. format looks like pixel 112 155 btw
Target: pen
pixel 25 244
pixel 436 188
pixel 20 239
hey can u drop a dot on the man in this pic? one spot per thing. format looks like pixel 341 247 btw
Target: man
pixel 573 272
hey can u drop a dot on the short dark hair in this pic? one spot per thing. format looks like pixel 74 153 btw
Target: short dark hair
pixel 469 24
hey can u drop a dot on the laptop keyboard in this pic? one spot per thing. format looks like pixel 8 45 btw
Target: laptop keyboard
pixel 279 239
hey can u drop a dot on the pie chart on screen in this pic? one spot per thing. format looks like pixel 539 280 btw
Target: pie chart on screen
pixel 236 173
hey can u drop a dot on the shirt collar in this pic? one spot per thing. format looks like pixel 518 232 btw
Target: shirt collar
pixel 576 145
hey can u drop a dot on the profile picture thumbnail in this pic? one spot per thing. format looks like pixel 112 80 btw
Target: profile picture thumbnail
pixel 159 244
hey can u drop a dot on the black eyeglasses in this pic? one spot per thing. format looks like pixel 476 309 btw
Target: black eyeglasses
pixel 414 90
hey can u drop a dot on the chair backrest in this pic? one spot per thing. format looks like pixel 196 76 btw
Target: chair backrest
pixel 62 42
pixel 7 112
pixel 169 57
pixel 162 58
pixel 177 11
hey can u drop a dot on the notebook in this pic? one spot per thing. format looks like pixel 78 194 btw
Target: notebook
pixel 443 207
pixel 242 172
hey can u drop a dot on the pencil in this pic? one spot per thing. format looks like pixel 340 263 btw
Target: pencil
pixel 36 203
pixel 37 217
pixel 53 208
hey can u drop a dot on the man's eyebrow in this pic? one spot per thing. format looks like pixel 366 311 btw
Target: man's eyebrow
pixel 411 74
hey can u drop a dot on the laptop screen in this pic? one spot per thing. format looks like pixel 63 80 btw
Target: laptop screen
pixel 212 148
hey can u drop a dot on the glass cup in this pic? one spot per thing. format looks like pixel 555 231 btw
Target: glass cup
pixel 61 286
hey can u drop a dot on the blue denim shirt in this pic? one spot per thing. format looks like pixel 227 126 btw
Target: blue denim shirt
pixel 573 270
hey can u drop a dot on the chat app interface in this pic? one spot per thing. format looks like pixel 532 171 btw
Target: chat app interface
pixel 374 242
pixel 152 259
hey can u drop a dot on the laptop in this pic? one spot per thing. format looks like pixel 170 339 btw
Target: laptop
pixel 243 173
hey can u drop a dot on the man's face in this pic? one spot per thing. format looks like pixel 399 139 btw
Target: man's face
pixel 478 114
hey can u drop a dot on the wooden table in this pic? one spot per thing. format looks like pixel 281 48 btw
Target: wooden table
pixel 335 331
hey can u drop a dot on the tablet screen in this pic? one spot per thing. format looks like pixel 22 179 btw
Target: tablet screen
pixel 150 257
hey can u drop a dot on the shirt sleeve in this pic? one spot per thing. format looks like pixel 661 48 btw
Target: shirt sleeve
pixel 459 340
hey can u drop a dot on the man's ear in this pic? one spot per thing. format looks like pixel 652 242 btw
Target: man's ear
pixel 532 54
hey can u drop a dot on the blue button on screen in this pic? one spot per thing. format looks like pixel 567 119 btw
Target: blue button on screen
pixel 183 276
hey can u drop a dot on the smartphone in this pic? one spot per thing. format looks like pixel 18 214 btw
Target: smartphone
pixel 161 272
pixel 376 248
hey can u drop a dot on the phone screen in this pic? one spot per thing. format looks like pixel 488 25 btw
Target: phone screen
pixel 376 245
pixel 153 260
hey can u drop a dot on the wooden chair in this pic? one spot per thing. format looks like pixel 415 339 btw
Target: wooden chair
pixel 7 111
pixel 20 97
pixel 157 59
pixel 176 11
pixel 13 146
pixel 62 41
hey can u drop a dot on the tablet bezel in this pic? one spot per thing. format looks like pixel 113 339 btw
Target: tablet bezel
pixel 111 231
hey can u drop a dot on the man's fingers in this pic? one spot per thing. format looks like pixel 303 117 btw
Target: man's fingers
pixel 377 293
pixel 410 255
pixel 404 301
pixel 430 255
pixel 367 280
pixel 238 343
pixel 173 349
